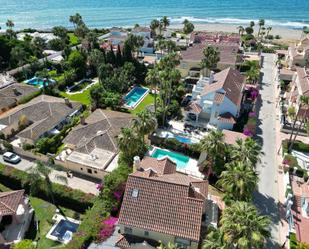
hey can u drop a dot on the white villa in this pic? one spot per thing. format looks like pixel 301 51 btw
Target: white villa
pixel 299 53
pixel 216 100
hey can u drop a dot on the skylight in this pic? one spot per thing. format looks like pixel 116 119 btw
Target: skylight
pixel 135 193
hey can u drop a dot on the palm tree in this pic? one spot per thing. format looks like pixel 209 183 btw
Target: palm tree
pixel 152 78
pixel 76 20
pixel 165 22
pixel 251 24
pixel 39 175
pixel 238 182
pixel 129 143
pixel 154 25
pixel 268 31
pixel 246 151
pixel 261 24
pixel 214 146
pixel 253 75
pixel 243 227
pixel 144 124
pixel 211 57
pixel 303 104
pixel 135 42
pixel 9 24
pixel 9 31
pixel 188 27
pixel 241 30
pixel 214 240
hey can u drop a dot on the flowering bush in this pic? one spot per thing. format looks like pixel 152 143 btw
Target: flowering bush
pixel 108 228
pixel 247 132
pixel 117 195
pixel 252 114
pixel 99 186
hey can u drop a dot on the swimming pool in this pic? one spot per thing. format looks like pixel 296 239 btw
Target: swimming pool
pixel 63 230
pixel 181 160
pixel 35 81
pixel 135 96
pixel 181 138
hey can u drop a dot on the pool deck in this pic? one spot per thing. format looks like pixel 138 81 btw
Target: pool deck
pixel 140 99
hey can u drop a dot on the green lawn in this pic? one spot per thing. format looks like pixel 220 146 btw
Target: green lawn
pixel 83 97
pixel 73 39
pixel 146 101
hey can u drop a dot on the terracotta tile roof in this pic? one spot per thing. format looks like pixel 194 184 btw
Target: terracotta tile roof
pixel 194 107
pixel 231 81
pixel 171 203
pixel 226 118
pixel 230 137
pixel 159 166
pixel 219 97
pixel 126 241
pixel 303 78
pixel 9 202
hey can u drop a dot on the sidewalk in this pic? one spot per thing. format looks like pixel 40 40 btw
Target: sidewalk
pixel 283 226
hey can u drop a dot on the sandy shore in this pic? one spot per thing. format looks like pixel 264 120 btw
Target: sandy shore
pixel 288 35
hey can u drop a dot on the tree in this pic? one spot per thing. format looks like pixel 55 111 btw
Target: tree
pixel 268 31
pixel 211 57
pixel 168 246
pixel 214 146
pixel 188 27
pixel 135 42
pixel 251 24
pixel 249 30
pixel 165 22
pixel 38 44
pixel 154 25
pixel 246 151
pixel 61 32
pixel 144 124
pixel 76 19
pixel 95 59
pixel 243 227
pixel 19 55
pixel 214 240
pixel 152 79
pixel 130 144
pixel 241 30
pixel 253 75
pixel 261 24
pixel 238 182
pixel 77 61
pixel 56 44
pixel 39 175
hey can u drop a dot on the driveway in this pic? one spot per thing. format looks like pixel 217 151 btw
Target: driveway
pixel 266 198
pixel 74 183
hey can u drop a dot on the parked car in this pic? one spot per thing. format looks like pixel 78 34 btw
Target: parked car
pixel 11 157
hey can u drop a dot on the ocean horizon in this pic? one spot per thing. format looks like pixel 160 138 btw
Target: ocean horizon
pixel 45 14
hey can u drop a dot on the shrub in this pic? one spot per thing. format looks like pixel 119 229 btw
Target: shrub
pixel 64 196
pixel 24 244
pixel 29 97
pixel 291 161
pixel 28 146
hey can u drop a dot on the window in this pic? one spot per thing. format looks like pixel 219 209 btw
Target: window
pixel 89 171
pixel 135 193
pixel 146 233
pixel 95 172
pixel 127 230
pixel 81 169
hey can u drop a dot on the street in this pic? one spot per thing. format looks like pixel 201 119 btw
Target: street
pixel 266 198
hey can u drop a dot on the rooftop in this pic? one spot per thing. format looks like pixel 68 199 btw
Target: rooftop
pixel 157 198
pixel 10 94
pixel 230 137
pixel 43 112
pixel 9 201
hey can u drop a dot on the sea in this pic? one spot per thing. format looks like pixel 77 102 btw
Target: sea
pixel 44 14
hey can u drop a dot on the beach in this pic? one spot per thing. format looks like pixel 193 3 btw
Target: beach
pixel 288 35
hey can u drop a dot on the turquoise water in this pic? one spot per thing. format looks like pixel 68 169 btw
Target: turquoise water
pixel 106 13
pixel 180 159
pixel 134 96
pixel 38 82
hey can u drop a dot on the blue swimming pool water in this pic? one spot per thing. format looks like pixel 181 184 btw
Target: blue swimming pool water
pixel 38 82
pixel 62 227
pixel 134 96
pixel 181 160
pixel 184 140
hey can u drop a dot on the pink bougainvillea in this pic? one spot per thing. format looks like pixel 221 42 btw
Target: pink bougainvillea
pixel 117 195
pixel 252 114
pixel 99 186
pixel 247 132
pixel 108 228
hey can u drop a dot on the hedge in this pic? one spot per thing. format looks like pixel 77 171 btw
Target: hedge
pixel 191 150
pixel 298 145
pixel 64 196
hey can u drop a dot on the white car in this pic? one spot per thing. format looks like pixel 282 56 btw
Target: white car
pixel 11 157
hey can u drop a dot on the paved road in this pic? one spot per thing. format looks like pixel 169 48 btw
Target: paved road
pixel 75 182
pixel 266 197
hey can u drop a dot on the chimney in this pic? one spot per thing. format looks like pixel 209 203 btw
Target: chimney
pixel 82 120
pixel 136 163
pixel 67 102
pixel 15 91
pixel 211 77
